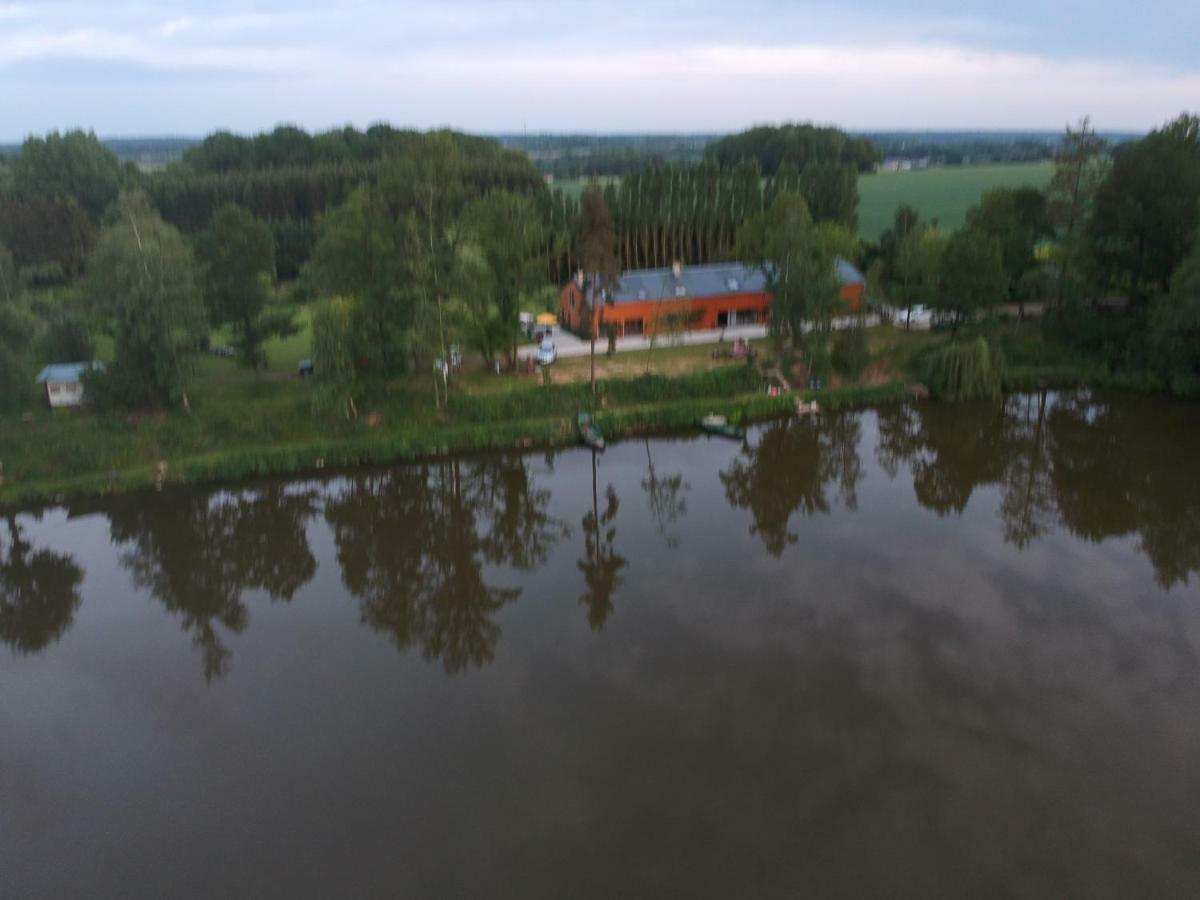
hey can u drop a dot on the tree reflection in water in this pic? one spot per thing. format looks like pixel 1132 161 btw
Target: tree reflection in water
pixel 601 564
pixel 198 553
pixel 666 496
pixel 39 592
pixel 1100 467
pixel 790 470
pixel 1126 468
pixel 412 543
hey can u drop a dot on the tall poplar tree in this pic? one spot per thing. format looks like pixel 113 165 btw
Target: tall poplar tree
pixel 599 259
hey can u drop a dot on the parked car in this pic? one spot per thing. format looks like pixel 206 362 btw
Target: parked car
pixel 305 368
pixel 547 353
pixel 220 350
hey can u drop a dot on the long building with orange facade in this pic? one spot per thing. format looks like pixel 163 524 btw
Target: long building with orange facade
pixel 710 297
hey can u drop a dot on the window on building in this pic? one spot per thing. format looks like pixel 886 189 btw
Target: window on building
pixel 634 327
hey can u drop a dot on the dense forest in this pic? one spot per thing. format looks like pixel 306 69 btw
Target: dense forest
pixel 410 240
pixel 797 145
pixel 585 156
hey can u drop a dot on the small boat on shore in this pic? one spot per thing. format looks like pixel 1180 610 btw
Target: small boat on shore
pixel 807 409
pixel 589 433
pixel 715 424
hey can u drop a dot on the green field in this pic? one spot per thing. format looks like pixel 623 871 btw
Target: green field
pixel 944 193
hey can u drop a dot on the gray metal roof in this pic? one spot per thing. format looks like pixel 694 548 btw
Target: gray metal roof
pixel 67 371
pixel 698 282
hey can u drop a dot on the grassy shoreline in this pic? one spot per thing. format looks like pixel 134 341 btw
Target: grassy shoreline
pixel 246 426
pixel 412 443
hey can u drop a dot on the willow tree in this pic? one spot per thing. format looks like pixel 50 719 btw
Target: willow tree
pixel 599 258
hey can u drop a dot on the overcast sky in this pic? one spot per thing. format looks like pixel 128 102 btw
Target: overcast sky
pixel 136 67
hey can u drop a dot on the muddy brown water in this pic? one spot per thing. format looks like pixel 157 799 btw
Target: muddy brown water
pixel 915 651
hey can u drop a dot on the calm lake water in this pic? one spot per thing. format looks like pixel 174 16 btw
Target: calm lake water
pixel 920 651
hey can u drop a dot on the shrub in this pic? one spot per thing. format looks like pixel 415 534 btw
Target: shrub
pixel 850 354
pixel 1114 340
pixel 968 370
pixel 40 275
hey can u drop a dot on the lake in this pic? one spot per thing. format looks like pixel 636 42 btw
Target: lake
pixel 915 651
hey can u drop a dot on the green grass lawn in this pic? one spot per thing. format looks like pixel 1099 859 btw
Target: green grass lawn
pixel 573 187
pixel 943 193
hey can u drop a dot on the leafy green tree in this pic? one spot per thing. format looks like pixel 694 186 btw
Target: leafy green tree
pixel 365 253
pixel 798 259
pixel 905 219
pixel 49 236
pixel 15 332
pixel 73 165
pixel 831 191
pixel 68 335
pixel 10 284
pixel 1146 209
pixel 1175 327
pixel 335 350
pixel 1016 217
pixel 431 182
pixel 917 266
pixel 237 258
pixel 973 274
pixel 509 231
pixel 142 279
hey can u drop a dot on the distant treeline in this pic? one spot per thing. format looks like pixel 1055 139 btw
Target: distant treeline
pixel 951 148
pixel 584 155
pixel 289 177
pixel 798 145
pixel 146 152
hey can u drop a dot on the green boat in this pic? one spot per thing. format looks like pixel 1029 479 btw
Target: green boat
pixel 715 424
pixel 589 433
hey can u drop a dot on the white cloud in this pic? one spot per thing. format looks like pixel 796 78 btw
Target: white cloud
pixel 728 85
pixel 106 46
pixel 175 26
pixel 377 68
